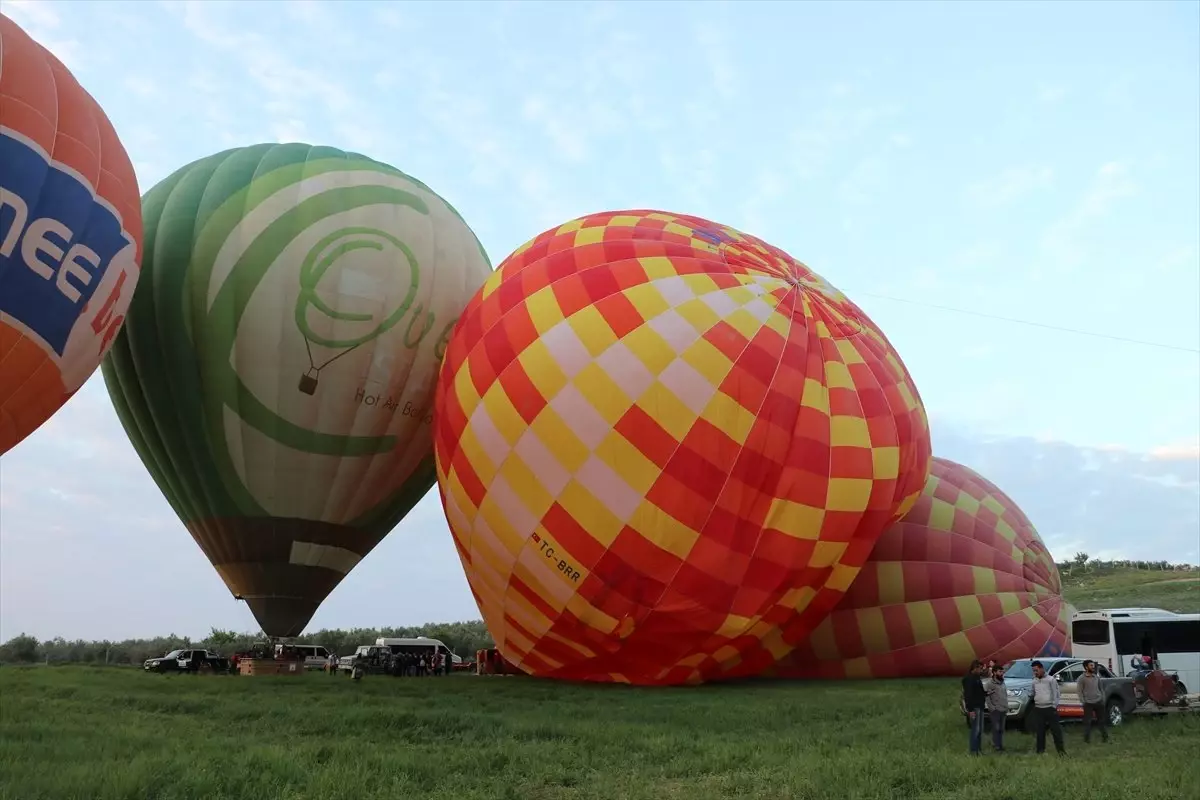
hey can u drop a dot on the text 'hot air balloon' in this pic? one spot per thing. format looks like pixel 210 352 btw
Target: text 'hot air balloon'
pixel 277 369
pixel 963 576
pixel 665 448
pixel 70 234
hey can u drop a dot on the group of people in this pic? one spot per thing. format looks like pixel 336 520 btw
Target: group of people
pixel 985 694
pixel 405 663
pixel 421 664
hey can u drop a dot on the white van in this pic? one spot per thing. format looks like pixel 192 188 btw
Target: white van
pixel 1115 637
pixel 315 655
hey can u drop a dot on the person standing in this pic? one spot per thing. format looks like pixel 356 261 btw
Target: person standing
pixel 974 700
pixel 997 706
pixel 1045 709
pixel 1093 702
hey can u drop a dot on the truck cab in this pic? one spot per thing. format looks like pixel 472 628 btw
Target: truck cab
pixel 371 655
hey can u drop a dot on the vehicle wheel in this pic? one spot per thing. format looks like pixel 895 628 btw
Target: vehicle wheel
pixel 1180 689
pixel 1115 715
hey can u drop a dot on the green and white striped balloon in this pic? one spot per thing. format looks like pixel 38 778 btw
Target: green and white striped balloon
pixel 276 369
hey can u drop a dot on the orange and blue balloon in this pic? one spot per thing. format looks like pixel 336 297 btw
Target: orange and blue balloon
pixel 70 234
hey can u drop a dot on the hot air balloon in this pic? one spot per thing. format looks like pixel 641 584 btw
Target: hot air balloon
pixel 963 576
pixel 665 448
pixel 277 367
pixel 70 234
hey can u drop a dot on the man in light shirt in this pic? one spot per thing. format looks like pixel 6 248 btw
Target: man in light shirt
pixel 1045 709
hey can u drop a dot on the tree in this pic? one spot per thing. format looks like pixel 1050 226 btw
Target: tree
pixel 21 649
pixel 220 638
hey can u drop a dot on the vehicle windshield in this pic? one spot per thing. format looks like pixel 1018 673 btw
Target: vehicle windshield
pixel 1020 670
pixel 173 654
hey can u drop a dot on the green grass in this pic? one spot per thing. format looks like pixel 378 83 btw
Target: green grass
pixel 1114 589
pixel 104 734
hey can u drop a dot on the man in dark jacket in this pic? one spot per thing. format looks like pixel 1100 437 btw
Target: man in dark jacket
pixel 974 699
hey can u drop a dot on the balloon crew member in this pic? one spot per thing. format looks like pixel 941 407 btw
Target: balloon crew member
pixel 974 699
pixel 1045 709
pixel 1093 702
pixel 997 706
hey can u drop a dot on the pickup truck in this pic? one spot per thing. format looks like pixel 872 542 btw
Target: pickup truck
pixel 1119 697
pixel 374 659
pixel 1119 693
pixel 188 660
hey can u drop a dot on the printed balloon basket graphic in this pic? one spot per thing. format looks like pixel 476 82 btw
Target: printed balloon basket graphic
pixel 284 412
pixel 665 448
pixel 70 234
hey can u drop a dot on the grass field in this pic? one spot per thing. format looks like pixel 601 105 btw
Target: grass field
pixel 1152 588
pixel 104 734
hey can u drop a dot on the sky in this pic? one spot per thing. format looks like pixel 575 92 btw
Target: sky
pixel 1010 190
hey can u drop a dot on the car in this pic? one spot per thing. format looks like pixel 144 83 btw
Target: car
pixel 1018 681
pixel 187 660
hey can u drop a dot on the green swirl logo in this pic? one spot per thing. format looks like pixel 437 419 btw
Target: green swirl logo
pixel 323 255
pixel 224 316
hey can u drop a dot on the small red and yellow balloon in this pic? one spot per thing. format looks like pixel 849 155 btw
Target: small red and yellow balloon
pixel 963 576
pixel 665 448
pixel 70 234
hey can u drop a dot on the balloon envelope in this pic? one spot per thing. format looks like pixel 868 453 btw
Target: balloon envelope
pixel 665 448
pixel 963 576
pixel 70 234
pixel 277 368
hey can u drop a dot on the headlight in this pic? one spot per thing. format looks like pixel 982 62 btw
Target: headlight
pixel 1015 692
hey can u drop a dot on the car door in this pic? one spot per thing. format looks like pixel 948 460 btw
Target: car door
pixel 1068 675
pixel 1069 702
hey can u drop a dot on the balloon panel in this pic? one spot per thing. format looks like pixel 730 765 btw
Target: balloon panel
pixel 70 234
pixel 963 575
pixel 277 370
pixel 665 448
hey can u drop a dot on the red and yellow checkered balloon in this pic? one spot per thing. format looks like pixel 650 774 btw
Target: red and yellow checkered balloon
pixel 665 448
pixel 963 576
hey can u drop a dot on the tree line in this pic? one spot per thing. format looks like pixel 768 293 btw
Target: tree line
pixel 464 638
pixel 1082 562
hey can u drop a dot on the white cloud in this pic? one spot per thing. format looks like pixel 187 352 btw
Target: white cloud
pixel 32 13
pixel 979 254
pixel 1051 94
pixel 712 43
pixel 813 143
pixel 1063 243
pixel 864 183
pixel 311 12
pixel 568 143
pixel 142 86
pixel 1184 259
pixel 1181 451
pixel 768 187
pixel 42 21
pixel 1009 186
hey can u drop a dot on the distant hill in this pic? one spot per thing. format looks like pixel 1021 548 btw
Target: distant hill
pixel 1093 584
